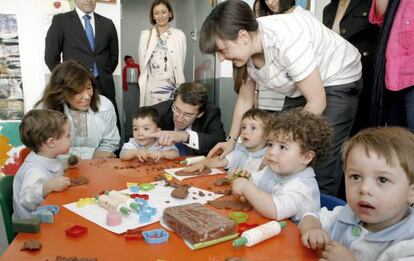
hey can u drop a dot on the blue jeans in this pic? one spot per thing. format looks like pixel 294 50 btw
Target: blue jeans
pixel 401 108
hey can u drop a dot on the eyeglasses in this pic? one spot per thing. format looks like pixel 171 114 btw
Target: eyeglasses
pixel 187 116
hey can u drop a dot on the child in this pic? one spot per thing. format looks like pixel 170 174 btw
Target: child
pixel 249 154
pixel 145 122
pixel 47 134
pixel 377 223
pixel 287 187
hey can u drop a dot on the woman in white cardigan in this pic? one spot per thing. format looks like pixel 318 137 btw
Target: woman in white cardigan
pixel 161 56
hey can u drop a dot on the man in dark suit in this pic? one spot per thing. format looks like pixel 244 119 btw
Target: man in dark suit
pixel 88 38
pixel 189 122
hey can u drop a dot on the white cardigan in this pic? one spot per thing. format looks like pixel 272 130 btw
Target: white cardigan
pixel 177 49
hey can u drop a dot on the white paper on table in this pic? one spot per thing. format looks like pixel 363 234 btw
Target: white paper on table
pixel 157 199
pixel 172 172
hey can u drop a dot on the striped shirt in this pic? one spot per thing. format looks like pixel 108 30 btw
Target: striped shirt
pixel 294 44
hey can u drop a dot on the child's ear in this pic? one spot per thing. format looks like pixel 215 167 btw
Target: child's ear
pixel 50 142
pixel 308 157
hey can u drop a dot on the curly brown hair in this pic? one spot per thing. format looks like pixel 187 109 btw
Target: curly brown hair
pixel 312 132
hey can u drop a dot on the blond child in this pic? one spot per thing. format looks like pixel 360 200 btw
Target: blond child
pixel 286 187
pixel 377 223
pixel 142 147
pixel 47 134
pixel 247 155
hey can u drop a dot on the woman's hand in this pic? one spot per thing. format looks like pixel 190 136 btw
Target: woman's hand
pixel 222 149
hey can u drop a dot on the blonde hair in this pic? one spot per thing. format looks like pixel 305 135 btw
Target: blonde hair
pixel 394 144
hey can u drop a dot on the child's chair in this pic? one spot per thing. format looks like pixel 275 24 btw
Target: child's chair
pixel 330 202
pixel 6 205
pixel 22 155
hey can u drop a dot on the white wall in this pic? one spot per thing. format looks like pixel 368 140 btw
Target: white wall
pixel 32 23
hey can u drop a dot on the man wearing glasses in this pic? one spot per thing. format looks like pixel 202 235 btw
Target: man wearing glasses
pixel 189 122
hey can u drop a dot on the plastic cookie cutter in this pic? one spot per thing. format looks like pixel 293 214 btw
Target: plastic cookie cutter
pixel 169 177
pixel 146 213
pixel 130 184
pixel 245 226
pixel 52 208
pixel 146 186
pixel 136 195
pixel 238 217
pixel 44 215
pixel 156 236
pixel 76 231
pixel 133 234
pixel 85 201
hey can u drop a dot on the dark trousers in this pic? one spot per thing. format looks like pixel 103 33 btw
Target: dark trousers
pixel 341 106
pixel 401 108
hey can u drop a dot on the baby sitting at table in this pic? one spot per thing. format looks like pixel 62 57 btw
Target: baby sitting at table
pixel 247 155
pixel 142 147
pixel 47 134
pixel 377 223
pixel 286 187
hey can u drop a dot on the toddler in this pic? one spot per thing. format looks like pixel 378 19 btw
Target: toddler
pixel 142 147
pixel 47 134
pixel 377 223
pixel 286 187
pixel 247 155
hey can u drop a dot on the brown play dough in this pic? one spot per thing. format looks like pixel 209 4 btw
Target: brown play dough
pixel 201 193
pixel 194 173
pixel 73 160
pixel 31 245
pixel 180 192
pixel 79 181
pixel 230 203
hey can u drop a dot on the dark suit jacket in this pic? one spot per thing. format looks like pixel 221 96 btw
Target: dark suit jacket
pixel 356 28
pixel 67 36
pixel 209 126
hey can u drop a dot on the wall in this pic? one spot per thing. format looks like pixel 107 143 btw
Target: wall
pixel 32 26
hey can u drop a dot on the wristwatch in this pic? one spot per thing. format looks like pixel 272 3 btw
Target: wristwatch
pixel 231 138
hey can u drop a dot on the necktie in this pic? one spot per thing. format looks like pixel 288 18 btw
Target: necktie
pixel 182 149
pixel 91 40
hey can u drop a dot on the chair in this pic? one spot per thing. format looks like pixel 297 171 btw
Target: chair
pixel 6 204
pixel 330 202
pixel 22 155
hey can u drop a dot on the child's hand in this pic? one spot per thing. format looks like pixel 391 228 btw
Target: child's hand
pixel 315 238
pixel 58 183
pixel 195 167
pixel 142 155
pixel 240 173
pixel 238 185
pixel 154 156
pixel 335 251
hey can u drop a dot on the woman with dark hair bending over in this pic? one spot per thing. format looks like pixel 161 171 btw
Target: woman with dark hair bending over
pixel 295 55
pixel 92 117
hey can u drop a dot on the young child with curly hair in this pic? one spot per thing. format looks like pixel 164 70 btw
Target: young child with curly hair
pixel 286 187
